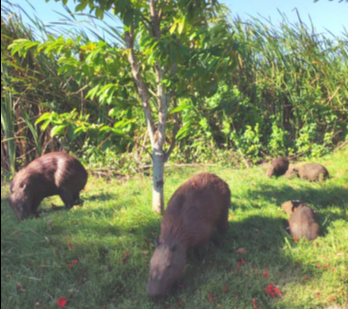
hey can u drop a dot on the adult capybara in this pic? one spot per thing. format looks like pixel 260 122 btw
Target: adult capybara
pixel 56 173
pixel 278 167
pixel 311 171
pixel 302 223
pixel 195 209
pixel 289 206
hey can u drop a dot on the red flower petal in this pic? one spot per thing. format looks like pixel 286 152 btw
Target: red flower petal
pixel 76 262
pixel 70 245
pixel 254 303
pixel 70 266
pixel 265 274
pixel 61 303
pixel 225 288
pixel 238 266
pixel 16 233
pixel 305 278
pixel 211 297
pixel 332 299
pixel 194 186
pixel 242 261
pixel 296 239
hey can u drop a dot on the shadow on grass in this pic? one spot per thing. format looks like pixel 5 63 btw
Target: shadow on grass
pixel 320 197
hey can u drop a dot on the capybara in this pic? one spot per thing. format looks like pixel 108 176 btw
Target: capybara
pixel 311 171
pixel 193 211
pixel 302 223
pixel 278 167
pixel 290 206
pixel 56 173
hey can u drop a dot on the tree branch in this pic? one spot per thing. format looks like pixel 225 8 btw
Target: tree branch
pixel 142 89
pixel 175 132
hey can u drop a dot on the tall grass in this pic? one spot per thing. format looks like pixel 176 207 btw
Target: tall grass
pixel 7 122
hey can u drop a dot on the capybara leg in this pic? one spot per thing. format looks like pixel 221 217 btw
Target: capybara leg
pixel 222 224
pixel 67 199
pixel 199 252
pixel 77 200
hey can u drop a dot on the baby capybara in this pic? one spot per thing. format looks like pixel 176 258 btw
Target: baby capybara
pixel 56 173
pixel 302 223
pixel 194 210
pixel 278 167
pixel 311 171
pixel 290 206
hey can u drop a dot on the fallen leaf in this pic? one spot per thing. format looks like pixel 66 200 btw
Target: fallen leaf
pixel 257 230
pixel 19 287
pixel 61 303
pixel 242 250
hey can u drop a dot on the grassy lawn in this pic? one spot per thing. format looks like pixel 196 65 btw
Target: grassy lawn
pixel 97 255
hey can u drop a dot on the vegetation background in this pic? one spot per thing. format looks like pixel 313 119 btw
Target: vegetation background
pixel 287 94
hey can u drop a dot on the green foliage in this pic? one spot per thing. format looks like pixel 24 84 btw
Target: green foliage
pixel 244 90
pixel 112 240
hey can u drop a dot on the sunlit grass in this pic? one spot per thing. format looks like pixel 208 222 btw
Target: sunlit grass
pixel 116 221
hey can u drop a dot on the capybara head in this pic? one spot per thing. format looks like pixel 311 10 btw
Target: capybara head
pixel 291 206
pixel 278 167
pixel 291 173
pixel 20 198
pixel 167 264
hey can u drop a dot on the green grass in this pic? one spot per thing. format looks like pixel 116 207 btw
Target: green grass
pixel 116 219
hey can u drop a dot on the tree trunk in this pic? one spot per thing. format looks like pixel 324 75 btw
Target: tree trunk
pixel 158 181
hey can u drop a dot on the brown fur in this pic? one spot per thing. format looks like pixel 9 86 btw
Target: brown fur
pixel 289 206
pixel 302 223
pixel 311 171
pixel 56 173
pixel 195 209
pixel 278 167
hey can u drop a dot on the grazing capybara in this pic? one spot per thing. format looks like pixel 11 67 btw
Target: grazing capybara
pixel 290 206
pixel 311 171
pixel 56 173
pixel 194 210
pixel 302 223
pixel 278 167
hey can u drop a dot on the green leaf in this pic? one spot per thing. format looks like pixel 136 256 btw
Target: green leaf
pixel 57 130
pixel 181 108
pixel 43 117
